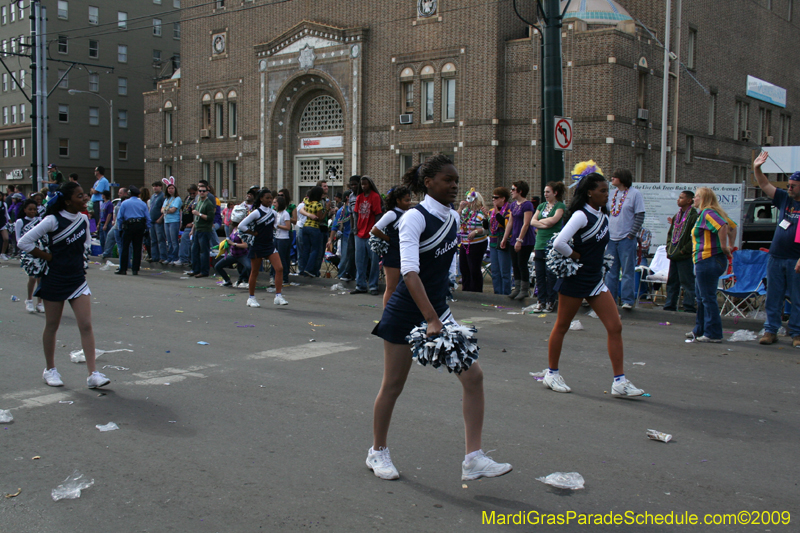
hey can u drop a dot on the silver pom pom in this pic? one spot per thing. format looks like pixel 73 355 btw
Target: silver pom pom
pixel 378 245
pixel 33 266
pixel 608 262
pixel 562 266
pixel 454 348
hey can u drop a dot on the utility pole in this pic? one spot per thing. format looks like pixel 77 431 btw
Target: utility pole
pixel 665 95
pixel 39 96
pixel 550 17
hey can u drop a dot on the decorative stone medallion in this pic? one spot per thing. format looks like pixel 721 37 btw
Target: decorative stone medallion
pixel 218 43
pixel 426 8
pixel 307 58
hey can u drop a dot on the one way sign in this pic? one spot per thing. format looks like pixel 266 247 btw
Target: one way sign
pixel 563 133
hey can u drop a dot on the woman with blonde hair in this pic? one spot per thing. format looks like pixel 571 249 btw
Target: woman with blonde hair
pixel 474 236
pixel 710 252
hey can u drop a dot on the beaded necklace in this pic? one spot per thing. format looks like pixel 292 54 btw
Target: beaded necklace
pixel 615 211
pixel 493 223
pixel 678 225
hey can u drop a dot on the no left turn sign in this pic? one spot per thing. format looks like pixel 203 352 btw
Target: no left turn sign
pixel 563 134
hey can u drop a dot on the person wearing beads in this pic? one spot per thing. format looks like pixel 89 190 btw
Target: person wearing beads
pixel 22 226
pixel 67 231
pixel 679 252
pixel 522 237
pixel 474 241
pixel 398 201
pixel 588 228
pixel 4 220
pixel 261 223
pixel 500 258
pixel 548 220
pixel 428 240
pixel 626 217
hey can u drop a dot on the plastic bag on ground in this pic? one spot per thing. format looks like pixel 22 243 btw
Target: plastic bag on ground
pixel 576 325
pixel 108 266
pixel 77 356
pixel 72 487
pixel 5 417
pixel 592 314
pixel 111 426
pixel 743 335
pixel 758 315
pixel 563 480
pixel 529 308
pixel 338 287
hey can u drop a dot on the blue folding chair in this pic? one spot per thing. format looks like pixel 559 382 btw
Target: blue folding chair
pixel 747 294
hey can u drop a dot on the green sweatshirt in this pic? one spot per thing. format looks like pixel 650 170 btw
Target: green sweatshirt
pixel 207 208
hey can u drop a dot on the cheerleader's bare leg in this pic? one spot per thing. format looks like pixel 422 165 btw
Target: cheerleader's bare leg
pixel 255 266
pixel 392 279
pixel 396 365
pixel 31 285
pixel 606 310
pixel 472 406
pixel 52 318
pixel 82 307
pixel 4 235
pixel 567 309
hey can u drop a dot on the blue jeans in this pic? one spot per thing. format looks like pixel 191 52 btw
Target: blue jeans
pixel 283 247
pixel 101 235
pixel 346 256
pixel 706 281
pixel 782 281
pixel 185 249
pixel 624 253
pixel 309 250
pixel 201 247
pixel 242 266
pixel 545 279
pixel 299 247
pixel 173 245
pixel 112 238
pixel 158 242
pixel 366 259
pixel 501 270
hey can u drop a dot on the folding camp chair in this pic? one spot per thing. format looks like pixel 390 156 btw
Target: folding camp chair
pixel 654 275
pixel 747 293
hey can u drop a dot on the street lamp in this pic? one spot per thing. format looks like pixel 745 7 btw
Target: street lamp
pixel 110 123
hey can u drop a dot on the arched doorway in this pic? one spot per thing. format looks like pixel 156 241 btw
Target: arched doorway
pixel 319 145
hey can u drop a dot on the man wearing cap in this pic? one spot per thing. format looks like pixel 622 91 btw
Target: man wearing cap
pixel 97 193
pixel 783 268
pixel 134 220
pixel 56 178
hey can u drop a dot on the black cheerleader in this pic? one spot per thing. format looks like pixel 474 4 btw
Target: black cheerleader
pixel 262 222
pixel 389 224
pixel 588 229
pixel 68 236
pixel 437 246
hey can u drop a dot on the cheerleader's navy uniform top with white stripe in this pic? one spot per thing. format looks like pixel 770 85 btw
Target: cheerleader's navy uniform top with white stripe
pixel 68 236
pixel 21 227
pixel 588 228
pixel 389 224
pixel 428 236
pixel 262 221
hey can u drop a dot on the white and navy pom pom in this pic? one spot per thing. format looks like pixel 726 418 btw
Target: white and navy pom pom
pixel 562 266
pixel 378 245
pixel 455 348
pixel 247 238
pixel 34 266
pixel 608 262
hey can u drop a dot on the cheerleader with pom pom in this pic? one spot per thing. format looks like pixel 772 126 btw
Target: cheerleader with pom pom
pixel 386 230
pixel 428 242
pixel 32 266
pixel 588 230
pixel 66 230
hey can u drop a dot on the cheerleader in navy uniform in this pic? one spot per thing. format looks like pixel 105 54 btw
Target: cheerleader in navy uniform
pixel 261 223
pixel 428 242
pixel 66 231
pixel 31 265
pixel 398 201
pixel 588 229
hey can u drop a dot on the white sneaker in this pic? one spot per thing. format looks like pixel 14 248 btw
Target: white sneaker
pixel 3 257
pixel 280 300
pixel 627 306
pixel 97 380
pixel 690 334
pixel 625 388
pixel 52 378
pixel 537 308
pixel 483 466
pixel 706 339
pixel 40 307
pixel 29 306
pixel 555 382
pixel 252 302
pixel 176 263
pixel 381 464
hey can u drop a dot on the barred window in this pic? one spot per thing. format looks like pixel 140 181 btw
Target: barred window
pixel 322 114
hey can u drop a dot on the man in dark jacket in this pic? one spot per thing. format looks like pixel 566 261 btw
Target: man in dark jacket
pixel 679 252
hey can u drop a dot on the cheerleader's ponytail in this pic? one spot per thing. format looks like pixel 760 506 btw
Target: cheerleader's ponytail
pixel 414 177
pixel 59 202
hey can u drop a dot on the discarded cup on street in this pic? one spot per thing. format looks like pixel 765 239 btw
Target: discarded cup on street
pixel 563 480
pixel 111 426
pixel 71 488
pixel 576 325
pixel 5 417
pixel 652 434
pixel 14 298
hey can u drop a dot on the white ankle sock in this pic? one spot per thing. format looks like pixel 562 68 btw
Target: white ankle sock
pixel 552 372
pixel 470 456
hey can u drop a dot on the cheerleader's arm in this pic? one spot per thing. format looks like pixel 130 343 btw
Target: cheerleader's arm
pixel 411 227
pixel 380 226
pixel 576 222
pixel 28 242
pixel 244 225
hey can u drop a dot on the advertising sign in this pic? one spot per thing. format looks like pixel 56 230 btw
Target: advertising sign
pixel 312 143
pixel 763 90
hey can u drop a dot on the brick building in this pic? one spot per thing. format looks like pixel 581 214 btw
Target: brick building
pixel 282 93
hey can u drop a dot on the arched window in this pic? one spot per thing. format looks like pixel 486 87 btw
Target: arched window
pixel 449 92
pixel 168 107
pixel 233 118
pixel 322 114
pixel 407 90
pixel 427 70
